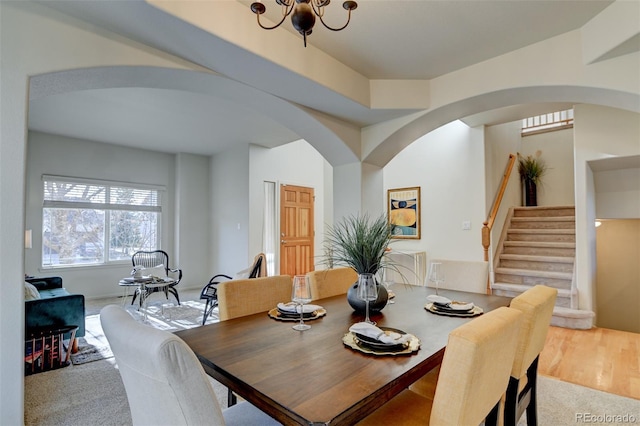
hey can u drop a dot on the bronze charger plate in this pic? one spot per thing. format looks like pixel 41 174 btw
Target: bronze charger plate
pixel 276 314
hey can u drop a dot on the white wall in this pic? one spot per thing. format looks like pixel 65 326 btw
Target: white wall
pixel 296 163
pixel 501 141
pixel 448 166
pixel 556 188
pixel 229 211
pixel 185 218
pixel 599 132
pixel 192 220
pixel 617 194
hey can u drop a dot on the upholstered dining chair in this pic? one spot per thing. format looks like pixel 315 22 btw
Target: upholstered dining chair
pixel 164 381
pixel 209 292
pixel 238 298
pixel 473 377
pixel 331 282
pixel 536 305
pixel 157 262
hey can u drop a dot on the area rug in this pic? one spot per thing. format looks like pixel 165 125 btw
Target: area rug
pixel 95 395
pixel 164 316
pixel 89 353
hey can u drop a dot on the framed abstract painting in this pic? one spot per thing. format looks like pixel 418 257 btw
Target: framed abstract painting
pixel 403 208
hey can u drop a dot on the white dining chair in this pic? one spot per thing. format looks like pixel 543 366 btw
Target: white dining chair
pixel 164 381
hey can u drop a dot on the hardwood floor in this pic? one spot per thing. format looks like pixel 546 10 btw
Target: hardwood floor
pixel 600 358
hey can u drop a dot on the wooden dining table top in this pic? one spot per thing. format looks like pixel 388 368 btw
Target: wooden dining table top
pixel 311 377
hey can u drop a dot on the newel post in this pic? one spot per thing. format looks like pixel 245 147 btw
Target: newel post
pixel 486 242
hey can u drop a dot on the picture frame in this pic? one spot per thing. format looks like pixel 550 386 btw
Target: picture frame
pixel 403 211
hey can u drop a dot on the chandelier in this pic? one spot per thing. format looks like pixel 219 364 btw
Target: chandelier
pixel 304 14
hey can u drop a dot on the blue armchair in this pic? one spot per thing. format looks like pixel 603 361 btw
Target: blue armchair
pixel 56 307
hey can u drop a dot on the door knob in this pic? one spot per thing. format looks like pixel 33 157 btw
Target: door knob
pixel 283 242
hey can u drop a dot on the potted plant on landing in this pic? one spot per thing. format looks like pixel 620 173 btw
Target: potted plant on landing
pixel 360 242
pixel 531 169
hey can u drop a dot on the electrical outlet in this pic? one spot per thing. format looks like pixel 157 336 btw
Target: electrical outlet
pixel 466 225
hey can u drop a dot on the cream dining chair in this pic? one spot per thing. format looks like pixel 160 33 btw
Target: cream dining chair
pixel 238 298
pixel 209 292
pixel 164 381
pixel 331 282
pixel 536 305
pixel 461 275
pixel 473 378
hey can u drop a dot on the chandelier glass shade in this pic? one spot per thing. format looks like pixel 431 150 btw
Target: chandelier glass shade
pixel 303 14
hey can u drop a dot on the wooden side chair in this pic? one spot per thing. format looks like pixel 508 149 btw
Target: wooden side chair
pixel 331 282
pixel 164 381
pixel 536 305
pixel 473 377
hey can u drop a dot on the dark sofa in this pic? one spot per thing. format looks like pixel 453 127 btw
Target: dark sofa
pixel 56 307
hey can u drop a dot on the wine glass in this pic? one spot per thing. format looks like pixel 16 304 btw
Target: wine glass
pixel 436 274
pixel 301 294
pixel 367 291
pixel 387 282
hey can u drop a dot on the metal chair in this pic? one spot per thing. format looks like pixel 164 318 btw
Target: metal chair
pixel 156 259
pixel 210 291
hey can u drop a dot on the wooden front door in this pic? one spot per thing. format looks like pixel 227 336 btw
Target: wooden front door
pixel 296 230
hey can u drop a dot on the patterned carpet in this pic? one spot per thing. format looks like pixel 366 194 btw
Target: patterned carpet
pixel 164 316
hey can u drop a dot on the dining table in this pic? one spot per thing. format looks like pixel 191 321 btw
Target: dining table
pixel 312 377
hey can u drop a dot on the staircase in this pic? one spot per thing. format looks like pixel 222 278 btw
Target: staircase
pixel 538 246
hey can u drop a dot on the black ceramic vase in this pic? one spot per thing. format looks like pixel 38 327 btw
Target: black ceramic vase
pixel 360 306
pixel 531 193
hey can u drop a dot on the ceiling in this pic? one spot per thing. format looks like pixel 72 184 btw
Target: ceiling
pixel 401 39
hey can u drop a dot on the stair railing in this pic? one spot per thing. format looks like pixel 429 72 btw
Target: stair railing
pixel 488 224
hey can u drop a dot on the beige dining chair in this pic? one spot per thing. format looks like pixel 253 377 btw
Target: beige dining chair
pixel 464 275
pixel 209 292
pixel 238 298
pixel 473 378
pixel 164 381
pixel 331 282
pixel 536 305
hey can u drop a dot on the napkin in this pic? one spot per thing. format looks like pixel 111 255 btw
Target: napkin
pixel 388 337
pixel 295 308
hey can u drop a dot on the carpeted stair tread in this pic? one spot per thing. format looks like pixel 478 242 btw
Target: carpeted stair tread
pixel 542 231
pixel 541 244
pixel 534 258
pixel 535 273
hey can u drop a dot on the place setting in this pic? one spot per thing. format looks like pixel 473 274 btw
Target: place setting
pixel 441 305
pixel 298 309
pixel 368 338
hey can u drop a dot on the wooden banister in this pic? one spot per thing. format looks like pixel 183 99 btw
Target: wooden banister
pixel 488 224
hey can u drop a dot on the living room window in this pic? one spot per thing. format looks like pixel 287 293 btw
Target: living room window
pixel 88 222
